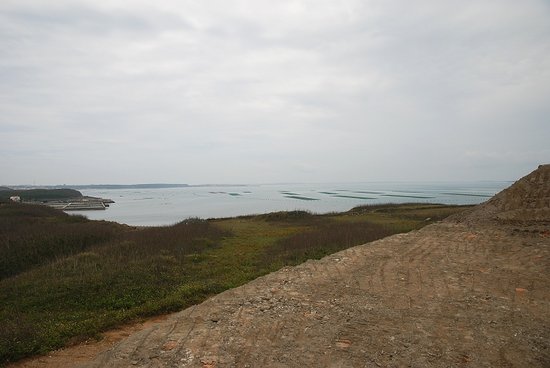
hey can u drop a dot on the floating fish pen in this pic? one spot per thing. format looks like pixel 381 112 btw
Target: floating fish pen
pixel 81 204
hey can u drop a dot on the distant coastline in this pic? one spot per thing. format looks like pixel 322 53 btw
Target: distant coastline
pixel 128 186
pixel 102 186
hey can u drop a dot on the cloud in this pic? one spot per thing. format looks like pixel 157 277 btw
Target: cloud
pixel 309 90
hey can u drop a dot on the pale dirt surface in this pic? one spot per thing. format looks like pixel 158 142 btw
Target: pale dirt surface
pixel 86 351
pixel 472 291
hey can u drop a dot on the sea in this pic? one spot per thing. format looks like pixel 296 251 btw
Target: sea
pixel 167 206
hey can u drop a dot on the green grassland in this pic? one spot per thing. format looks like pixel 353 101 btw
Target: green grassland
pixel 65 279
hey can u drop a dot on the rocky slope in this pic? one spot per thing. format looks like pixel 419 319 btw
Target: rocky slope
pixel 526 201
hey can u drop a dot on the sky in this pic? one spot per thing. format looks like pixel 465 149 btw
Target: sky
pixel 115 91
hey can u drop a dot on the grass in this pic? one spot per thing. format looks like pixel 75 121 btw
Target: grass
pixel 34 235
pixel 65 279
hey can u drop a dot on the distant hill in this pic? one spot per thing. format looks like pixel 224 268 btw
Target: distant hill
pixel 2 189
pixel 40 194
pixel 128 186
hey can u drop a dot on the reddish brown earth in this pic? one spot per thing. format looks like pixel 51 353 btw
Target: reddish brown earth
pixel 84 352
pixel 471 291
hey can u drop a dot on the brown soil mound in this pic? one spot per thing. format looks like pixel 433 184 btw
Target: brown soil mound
pixel 526 201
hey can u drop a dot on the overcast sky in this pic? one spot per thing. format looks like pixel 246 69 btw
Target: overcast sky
pixel 113 91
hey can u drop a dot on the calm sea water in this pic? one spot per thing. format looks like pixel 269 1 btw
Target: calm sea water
pixel 168 206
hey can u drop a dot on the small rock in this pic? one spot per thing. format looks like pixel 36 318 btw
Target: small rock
pixel 343 343
pixel 170 345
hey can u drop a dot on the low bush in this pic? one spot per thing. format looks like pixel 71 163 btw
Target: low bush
pixel 325 239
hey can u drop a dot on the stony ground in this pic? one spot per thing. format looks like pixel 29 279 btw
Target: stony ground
pixel 471 291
